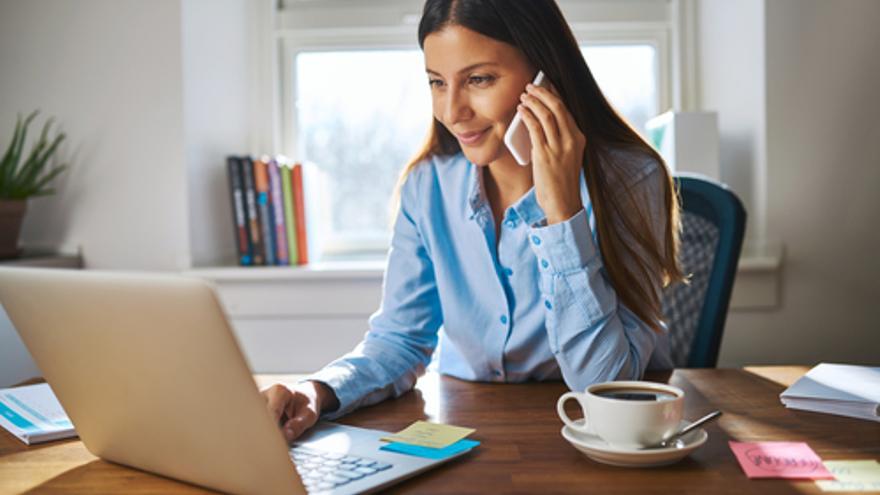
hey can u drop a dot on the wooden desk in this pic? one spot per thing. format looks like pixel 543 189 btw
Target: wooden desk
pixel 522 450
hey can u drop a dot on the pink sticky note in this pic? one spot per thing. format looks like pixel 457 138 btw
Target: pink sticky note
pixel 795 460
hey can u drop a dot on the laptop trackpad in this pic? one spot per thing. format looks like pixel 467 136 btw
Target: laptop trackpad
pixel 334 437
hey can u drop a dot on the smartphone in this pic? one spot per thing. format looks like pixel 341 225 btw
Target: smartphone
pixel 517 136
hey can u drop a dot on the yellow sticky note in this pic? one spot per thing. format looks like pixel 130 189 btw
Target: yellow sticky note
pixel 434 435
pixel 852 476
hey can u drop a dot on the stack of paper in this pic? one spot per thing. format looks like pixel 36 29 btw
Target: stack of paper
pixel 841 389
pixel 33 414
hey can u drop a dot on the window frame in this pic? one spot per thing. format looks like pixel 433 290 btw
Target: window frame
pixel 290 39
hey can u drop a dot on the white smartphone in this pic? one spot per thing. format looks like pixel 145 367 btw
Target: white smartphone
pixel 517 136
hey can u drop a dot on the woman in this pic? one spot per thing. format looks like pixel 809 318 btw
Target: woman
pixel 507 258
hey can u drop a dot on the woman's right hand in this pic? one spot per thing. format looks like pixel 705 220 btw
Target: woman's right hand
pixel 299 407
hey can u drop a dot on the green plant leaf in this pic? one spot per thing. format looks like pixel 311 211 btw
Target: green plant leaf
pixel 16 149
pixel 20 176
pixel 37 189
pixel 36 162
pixel 45 134
pixel 23 136
pixel 7 166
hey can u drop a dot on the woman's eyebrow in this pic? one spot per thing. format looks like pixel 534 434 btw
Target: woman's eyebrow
pixel 468 68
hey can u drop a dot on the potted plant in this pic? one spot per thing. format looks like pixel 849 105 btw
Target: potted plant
pixel 24 176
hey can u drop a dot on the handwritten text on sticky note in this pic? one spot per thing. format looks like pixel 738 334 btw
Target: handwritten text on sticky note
pixel 432 435
pixel 852 476
pixel 793 460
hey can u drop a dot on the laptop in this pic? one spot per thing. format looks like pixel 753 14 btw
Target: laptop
pixel 149 372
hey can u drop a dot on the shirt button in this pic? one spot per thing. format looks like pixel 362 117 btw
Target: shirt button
pixel 544 263
pixel 510 223
pixel 547 304
pixel 536 240
pixel 508 272
pixel 504 319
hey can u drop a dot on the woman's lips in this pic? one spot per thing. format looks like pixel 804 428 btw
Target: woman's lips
pixel 471 137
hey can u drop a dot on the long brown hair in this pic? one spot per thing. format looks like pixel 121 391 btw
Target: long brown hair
pixel 636 265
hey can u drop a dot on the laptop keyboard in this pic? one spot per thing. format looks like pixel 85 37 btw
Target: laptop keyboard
pixel 321 470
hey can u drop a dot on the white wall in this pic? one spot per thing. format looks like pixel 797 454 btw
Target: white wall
pixel 217 78
pixel 110 72
pixel 823 178
pixel 732 79
pixel 152 96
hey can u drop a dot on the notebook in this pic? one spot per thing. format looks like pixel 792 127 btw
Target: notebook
pixel 841 389
pixel 33 414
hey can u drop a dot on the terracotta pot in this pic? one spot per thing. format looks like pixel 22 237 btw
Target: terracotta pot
pixel 11 217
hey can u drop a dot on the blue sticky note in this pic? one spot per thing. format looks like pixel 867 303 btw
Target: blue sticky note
pixel 431 453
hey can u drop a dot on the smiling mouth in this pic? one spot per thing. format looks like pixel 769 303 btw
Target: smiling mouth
pixel 471 137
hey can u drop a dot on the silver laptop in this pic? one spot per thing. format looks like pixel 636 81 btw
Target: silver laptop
pixel 152 377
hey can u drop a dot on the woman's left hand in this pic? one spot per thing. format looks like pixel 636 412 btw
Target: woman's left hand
pixel 557 153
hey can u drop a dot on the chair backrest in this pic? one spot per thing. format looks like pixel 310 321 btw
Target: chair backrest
pixel 713 223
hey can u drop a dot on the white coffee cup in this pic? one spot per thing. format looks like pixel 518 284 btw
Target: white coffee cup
pixel 627 421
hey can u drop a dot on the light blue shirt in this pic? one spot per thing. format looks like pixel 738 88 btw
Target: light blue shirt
pixel 539 307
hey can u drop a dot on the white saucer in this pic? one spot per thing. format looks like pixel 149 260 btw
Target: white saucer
pixel 596 449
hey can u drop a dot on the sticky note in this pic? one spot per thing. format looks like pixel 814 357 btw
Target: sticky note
pixel 791 460
pixel 418 450
pixel 433 435
pixel 852 476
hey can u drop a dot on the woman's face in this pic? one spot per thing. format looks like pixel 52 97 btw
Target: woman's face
pixel 476 82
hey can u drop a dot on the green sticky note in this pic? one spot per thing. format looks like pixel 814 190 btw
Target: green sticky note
pixel 852 476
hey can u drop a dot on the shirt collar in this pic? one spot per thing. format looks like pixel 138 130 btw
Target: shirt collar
pixel 477 200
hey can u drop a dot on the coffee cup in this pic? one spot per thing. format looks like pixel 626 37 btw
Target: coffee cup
pixel 627 414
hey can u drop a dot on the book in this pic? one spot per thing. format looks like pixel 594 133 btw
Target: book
pixel 33 414
pixel 261 186
pixel 840 389
pixel 253 219
pixel 296 181
pixel 276 198
pixel 289 217
pixel 236 194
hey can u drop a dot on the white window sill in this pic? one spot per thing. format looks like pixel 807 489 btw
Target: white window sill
pixel 331 270
pixel 757 283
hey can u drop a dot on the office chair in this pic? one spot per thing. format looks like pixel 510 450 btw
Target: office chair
pixel 713 223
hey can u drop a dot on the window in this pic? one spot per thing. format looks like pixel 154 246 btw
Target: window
pixel 628 77
pixel 359 129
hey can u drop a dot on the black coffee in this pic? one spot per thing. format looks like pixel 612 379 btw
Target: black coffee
pixel 636 394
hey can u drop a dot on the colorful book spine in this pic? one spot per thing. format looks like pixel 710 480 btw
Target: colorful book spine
pixel 296 181
pixel 251 211
pixel 276 198
pixel 267 224
pixel 289 218
pixel 236 194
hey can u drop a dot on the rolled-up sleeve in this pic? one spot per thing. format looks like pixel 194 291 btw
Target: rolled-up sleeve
pixel 592 335
pixel 403 332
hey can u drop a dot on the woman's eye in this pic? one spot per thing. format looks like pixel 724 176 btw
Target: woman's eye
pixel 435 83
pixel 481 80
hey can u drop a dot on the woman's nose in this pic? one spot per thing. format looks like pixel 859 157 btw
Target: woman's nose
pixel 457 107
